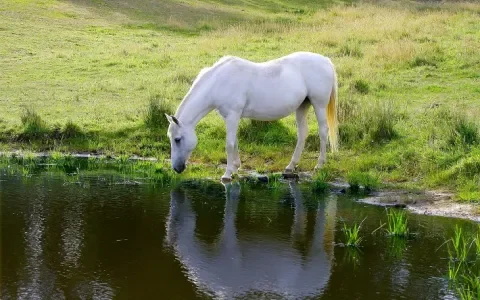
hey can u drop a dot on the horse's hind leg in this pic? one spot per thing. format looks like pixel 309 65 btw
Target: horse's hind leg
pixel 302 130
pixel 321 113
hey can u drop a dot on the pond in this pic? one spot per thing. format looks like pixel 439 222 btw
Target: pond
pixel 102 237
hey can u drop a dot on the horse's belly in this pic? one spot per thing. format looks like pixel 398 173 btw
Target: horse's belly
pixel 268 111
pixel 273 105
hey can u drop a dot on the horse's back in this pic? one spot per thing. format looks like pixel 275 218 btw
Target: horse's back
pixel 272 89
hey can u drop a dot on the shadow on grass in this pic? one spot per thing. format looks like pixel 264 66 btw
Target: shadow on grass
pixel 272 133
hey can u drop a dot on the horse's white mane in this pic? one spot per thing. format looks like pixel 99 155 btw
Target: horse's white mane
pixel 203 75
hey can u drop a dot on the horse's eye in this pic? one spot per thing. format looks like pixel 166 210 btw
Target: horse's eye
pixel 177 140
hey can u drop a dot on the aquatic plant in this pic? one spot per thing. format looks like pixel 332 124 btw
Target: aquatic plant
pixel 397 223
pixel 453 270
pixel 465 279
pixel 476 241
pixel 352 235
pixel 458 247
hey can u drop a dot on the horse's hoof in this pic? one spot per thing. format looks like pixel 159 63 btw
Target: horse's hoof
pixel 288 171
pixel 226 179
pixel 290 175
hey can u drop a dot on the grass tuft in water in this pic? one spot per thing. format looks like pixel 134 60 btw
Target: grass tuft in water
pixel 458 246
pixel 352 235
pixel 397 223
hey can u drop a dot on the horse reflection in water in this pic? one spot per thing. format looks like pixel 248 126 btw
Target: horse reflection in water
pixel 250 264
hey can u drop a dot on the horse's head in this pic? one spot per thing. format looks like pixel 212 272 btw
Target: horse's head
pixel 182 141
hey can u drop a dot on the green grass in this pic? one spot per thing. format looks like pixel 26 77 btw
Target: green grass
pixel 95 76
pixel 320 181
pixel 366 180
pixel 274 181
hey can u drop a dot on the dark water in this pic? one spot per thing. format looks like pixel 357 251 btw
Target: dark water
pixel 100 240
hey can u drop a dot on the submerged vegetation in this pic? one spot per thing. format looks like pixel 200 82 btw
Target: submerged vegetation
pixel 98 76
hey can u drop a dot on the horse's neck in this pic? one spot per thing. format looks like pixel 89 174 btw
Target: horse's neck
pixel 194 107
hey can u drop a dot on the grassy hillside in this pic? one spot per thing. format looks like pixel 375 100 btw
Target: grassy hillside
pixel 96 76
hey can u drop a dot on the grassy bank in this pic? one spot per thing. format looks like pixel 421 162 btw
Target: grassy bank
pixel 96 76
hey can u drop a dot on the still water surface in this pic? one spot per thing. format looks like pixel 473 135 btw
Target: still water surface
pixel 102 239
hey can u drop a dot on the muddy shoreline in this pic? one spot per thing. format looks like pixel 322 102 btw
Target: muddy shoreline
pixel 431 203
pixel 434 203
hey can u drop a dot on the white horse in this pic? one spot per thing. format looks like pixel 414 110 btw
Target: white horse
pixel 267 91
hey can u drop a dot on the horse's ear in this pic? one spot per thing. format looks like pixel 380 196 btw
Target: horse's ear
pixel 172 119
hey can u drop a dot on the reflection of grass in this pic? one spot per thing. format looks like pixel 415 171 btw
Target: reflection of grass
pixel 396 246
pixel 352 256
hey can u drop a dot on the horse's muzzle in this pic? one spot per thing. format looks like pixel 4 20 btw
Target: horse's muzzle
pixel 179 168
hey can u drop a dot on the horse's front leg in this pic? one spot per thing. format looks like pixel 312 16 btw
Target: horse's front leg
pixel 232 122
pixel 236 159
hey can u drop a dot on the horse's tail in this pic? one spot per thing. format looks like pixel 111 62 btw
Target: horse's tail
pixel 332 113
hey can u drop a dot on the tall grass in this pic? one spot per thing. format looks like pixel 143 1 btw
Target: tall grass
pixel 368 123
pixel 155 114
pixel 33 125
pixel 356 179
pixel 71 130
pixel 452 130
